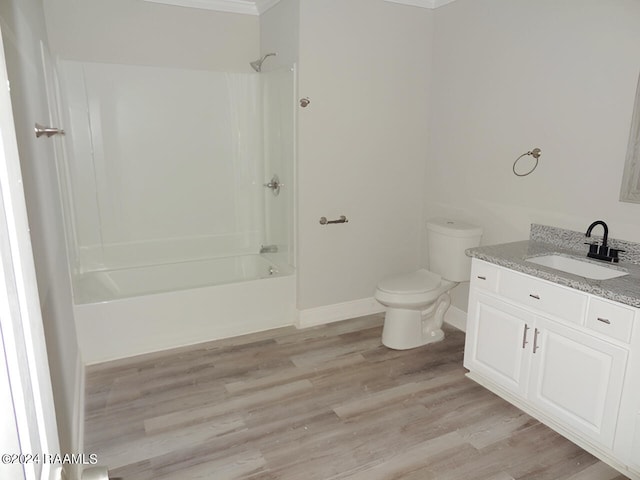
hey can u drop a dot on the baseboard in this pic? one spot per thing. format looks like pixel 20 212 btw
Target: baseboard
pixel 336 312
pixel 456 318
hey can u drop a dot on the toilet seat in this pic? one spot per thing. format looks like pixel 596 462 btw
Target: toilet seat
pixel 420 281
pixel 414 289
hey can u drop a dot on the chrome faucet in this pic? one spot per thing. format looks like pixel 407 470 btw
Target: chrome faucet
pixel 603 252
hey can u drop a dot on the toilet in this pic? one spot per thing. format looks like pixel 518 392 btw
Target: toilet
pixel 417 301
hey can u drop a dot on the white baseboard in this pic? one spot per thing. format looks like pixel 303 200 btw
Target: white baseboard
pixel 337 311
pixel 456 318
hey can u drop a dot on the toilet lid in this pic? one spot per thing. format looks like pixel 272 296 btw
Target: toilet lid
pixel 420 281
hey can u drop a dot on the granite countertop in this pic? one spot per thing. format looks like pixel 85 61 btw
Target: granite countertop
pixel 513 255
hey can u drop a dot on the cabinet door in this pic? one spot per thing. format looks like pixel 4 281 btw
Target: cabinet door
pixel 634 451
pixel 498 340
pixel 577 379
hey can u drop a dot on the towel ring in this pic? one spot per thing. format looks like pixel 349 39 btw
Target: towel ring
pixel 535 153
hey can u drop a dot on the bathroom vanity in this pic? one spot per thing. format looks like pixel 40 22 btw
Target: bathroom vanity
pixel 562 347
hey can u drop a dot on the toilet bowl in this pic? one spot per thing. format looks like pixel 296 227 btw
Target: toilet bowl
pixel 415 306
pixel 416 302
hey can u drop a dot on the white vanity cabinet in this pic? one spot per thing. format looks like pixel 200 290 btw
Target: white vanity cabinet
pixel 561 355
pixel 496 333
pixel 577 379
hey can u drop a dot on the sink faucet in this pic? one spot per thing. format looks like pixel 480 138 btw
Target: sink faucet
pixel 606 231
pixel 604 252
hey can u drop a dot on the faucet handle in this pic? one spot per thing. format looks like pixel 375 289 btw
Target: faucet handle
pixel 613 253
pixel 593 247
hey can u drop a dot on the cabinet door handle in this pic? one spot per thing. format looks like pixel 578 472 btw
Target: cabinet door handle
pixel 604 320
pixel 535 340
pixel 481 277
pixel 524 335
pixel 537 297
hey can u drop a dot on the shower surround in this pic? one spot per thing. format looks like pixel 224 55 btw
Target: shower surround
pixel 166 208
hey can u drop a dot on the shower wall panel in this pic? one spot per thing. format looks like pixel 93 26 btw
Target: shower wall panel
pixel 277 97
pixel 163 164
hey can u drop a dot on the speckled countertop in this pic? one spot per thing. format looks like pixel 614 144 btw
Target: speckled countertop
pixel 625 289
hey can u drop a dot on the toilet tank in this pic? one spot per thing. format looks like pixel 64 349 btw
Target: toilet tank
pixel 447 241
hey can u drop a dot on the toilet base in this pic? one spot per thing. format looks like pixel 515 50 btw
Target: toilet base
pixel 405 328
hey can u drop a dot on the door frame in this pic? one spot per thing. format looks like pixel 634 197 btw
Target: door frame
pixel 20 315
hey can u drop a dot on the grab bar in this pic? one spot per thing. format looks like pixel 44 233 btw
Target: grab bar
pixel 342 219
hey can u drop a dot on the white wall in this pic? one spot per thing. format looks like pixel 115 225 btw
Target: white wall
pixel 362 142
pixel 414 113
pixel 134 32
pixel 280 34
pixel 362 148
pixel 511 75
pixel 164 163
pixel 143 33
pixel 23 29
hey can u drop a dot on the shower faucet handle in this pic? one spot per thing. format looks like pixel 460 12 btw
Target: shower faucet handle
pixel 275 185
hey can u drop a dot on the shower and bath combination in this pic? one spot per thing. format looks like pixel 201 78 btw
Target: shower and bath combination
pixel 257 64
pixel 144 253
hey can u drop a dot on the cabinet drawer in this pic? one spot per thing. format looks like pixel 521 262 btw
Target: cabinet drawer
pixel 547 297
pixel 610 319
pixel 484 275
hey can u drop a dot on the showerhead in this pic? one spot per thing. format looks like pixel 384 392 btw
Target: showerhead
pixel 257 64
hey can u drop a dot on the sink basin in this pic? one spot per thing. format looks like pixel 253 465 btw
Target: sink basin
pixel 577 267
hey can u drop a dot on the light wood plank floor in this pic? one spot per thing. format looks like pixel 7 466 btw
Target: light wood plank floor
pixel 324 403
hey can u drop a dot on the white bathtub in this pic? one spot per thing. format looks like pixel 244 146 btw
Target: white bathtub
pixel 121 313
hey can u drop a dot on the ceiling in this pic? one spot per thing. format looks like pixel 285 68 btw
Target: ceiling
pixel 256 7
pixel 423 3
pixel 246 7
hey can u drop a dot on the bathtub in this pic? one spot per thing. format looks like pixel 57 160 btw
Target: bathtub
pixel 127 312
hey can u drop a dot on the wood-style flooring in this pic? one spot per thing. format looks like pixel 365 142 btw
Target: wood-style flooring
pixel 323 403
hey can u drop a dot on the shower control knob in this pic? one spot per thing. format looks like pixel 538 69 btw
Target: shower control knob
pixel 274 184
pixel 304 102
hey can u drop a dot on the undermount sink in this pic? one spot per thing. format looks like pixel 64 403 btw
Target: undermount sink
pixel 577 267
